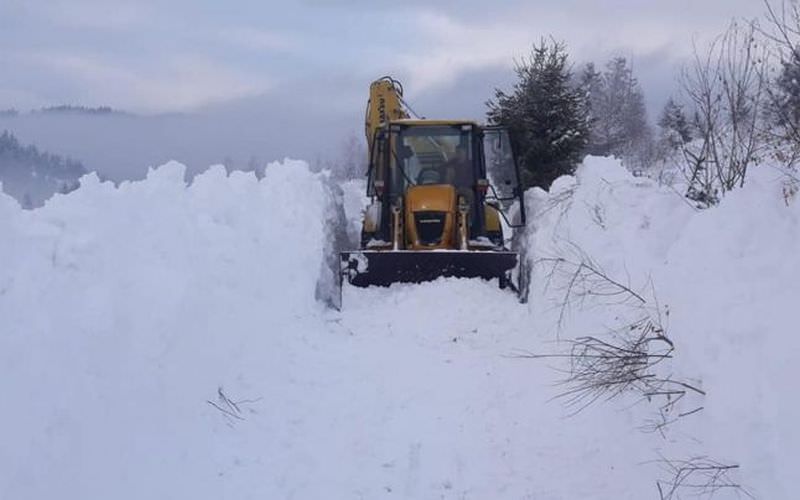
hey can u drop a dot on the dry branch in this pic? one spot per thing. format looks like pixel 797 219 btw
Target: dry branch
pixel 697 476
pixel 231 409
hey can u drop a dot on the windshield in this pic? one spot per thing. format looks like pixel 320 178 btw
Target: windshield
pixel 433 155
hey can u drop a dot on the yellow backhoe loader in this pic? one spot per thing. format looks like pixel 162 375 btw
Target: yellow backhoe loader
pixel 441 191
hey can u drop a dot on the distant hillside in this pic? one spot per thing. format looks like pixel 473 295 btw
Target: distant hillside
pixel 242 134
pixel 32 176
pixel 80 110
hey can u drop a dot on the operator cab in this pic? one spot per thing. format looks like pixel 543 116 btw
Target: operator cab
pixel 410 156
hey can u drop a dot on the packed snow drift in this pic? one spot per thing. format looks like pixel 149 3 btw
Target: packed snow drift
pixel 164 340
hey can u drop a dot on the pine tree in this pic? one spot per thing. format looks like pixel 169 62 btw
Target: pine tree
pixel 675 128
pixel 619 116
pixel 591 83
pixel 545 114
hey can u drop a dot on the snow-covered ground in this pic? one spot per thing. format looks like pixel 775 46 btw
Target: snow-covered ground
pixel 159 340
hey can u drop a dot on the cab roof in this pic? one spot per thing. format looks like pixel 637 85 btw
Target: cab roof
pixel 432 123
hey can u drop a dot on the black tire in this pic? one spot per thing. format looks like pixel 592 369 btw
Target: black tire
pixel 504 280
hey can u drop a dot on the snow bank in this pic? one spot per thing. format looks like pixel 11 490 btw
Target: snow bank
pixel 124 309
pixel 626 223
pixel 733 284
pixel 723 281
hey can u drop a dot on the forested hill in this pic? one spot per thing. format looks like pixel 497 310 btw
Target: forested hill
pixel 32 176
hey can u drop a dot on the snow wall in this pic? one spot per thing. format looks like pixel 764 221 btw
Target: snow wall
pixel 160 340
pixel 722 282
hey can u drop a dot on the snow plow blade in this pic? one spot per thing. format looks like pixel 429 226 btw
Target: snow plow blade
pixel 382 268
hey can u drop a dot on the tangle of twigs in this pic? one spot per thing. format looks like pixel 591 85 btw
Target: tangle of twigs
pixel 698 476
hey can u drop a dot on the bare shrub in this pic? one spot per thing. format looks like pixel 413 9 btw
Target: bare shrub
pixel 578 278
pixel 726 88
pixel 625 359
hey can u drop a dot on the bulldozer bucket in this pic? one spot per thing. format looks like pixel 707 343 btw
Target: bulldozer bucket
pixel 382 268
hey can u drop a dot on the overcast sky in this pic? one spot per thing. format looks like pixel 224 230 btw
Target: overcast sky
pixel 153 56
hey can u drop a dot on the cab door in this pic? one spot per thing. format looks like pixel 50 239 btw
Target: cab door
pixel 505 189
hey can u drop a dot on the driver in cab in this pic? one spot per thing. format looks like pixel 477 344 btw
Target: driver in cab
pixel 456 171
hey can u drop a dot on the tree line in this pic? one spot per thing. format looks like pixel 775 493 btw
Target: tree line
pixel 737 106
pixel 64 109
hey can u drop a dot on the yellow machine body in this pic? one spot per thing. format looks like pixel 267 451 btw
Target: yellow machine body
pixel 428 183
pixel 433 205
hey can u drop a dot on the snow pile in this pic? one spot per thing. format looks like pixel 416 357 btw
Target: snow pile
pixel 733 284
pixel 123 310
pixel 722 281
pixel 626 223
pixel 160 340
